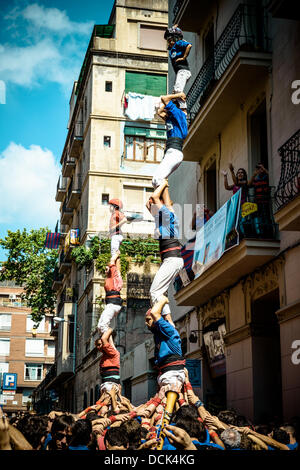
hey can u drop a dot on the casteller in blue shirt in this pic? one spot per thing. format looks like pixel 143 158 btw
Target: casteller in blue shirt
pixel 167 341
pixel 176 122
pixel 177 51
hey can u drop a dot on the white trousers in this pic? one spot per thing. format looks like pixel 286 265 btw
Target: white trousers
pixel 115 243
pixel 169 268
pixel 182 77
pixel 172 377
pixel 110 311
pixel 168 165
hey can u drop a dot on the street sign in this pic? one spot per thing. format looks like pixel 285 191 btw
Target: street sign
pixel 8 392
pixel 9 381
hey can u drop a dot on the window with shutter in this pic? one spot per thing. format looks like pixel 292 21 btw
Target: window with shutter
pixel 134 198
pixel 5 322
pixel 4 346
pixel 34 347
pixel 146 83
pixel 152 37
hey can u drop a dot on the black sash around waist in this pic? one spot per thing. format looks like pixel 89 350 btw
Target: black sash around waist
pixel 169 248
pixel 113 297
pixel 174 143
pixel 172 362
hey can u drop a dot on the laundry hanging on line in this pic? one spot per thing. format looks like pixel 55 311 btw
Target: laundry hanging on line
pixel 138 106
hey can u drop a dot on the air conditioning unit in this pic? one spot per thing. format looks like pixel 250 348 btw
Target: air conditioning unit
pixel 12 296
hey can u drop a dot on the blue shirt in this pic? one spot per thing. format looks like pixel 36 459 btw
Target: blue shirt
pixel 167 340
pixel 167 223
pixel 78 448
pixel 175 121
pixel 177 51
pixel 293 446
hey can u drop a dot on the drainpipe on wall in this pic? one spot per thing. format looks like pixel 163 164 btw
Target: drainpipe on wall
pixel 74 340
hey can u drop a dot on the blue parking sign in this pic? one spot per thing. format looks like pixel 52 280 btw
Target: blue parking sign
pixel 9 381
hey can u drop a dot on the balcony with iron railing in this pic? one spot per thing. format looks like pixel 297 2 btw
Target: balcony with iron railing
pixel 241 57
pixel 64 264
pixel 74 192
pixel 258 244
pixel 76 140
pixel 61 188
pixel 190 14
pixel 57 280
pixel 287 195
pixel 68 167
pixel 66 214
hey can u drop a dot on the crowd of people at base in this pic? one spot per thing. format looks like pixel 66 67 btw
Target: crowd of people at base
pixel 113 423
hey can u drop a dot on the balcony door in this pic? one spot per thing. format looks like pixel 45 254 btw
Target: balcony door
pixel 211 187
pixel 266 358
pixel 258 138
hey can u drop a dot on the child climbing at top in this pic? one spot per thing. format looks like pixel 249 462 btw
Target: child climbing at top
pixel 179 50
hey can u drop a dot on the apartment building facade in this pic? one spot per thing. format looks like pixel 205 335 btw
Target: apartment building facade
pixel 239 320
pixel 107 155
pixel 241 111
pixel 25 353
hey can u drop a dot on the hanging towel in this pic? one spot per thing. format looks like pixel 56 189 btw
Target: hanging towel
pixel 141 106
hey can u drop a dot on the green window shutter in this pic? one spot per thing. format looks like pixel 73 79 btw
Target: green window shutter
pixel 104 30
pixel 145 132
pixel 146 83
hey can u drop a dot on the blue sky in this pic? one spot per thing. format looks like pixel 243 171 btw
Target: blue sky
pixel 42 47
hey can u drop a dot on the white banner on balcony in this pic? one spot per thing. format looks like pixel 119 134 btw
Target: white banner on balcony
pixel 217 235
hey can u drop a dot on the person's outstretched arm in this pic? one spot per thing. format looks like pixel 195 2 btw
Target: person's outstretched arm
pixel 105 338
pixel 226 185
pixel 4 432
pixel 232 174
pixel 167 98
pixel 157 308
pixel 157 194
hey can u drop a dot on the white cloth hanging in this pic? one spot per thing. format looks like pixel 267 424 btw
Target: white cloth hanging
pixel 141 106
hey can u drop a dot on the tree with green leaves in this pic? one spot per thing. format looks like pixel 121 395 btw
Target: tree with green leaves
pixel 31 266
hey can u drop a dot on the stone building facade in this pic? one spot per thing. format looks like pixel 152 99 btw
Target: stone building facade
pixel 242 109
pixel 107 155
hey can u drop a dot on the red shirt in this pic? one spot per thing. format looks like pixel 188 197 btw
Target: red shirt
pixel 113 280
pixel 110 357
pixel 116 218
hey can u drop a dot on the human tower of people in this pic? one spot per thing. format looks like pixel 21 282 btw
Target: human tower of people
pixel 175 418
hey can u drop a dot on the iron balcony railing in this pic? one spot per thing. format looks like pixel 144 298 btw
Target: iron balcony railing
pixel 259 225
pixel 77 131
pixel 75 185
pixel 246 30
pixel 289 183
pixel 57 277
pixel 62 183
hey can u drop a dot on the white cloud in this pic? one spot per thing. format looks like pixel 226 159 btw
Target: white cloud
pixel 55 20
pixel 28 179
pixel 50 49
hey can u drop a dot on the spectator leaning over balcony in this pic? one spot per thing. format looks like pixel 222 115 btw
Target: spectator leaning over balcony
pixel 260 183
pixel 179 50
pixel 113 285
pixel 177 130
pixel 117 219
pixel 167 231
pixel 239 181
pixel 109 362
